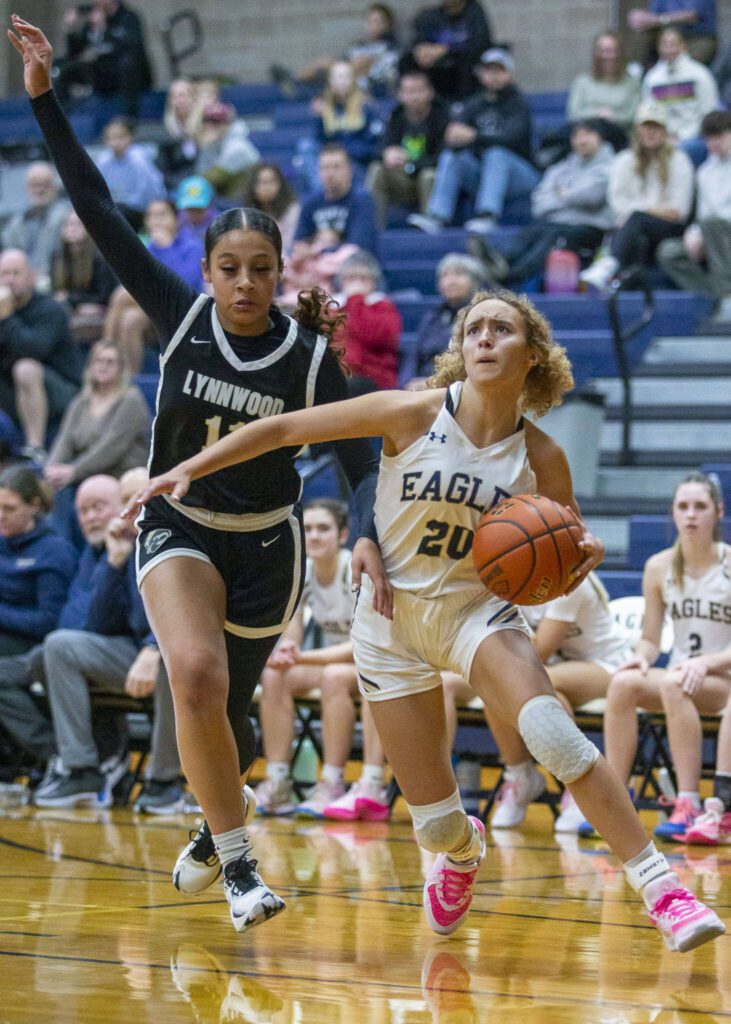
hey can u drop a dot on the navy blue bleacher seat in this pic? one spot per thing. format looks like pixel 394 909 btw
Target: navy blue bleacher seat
pixel 650 534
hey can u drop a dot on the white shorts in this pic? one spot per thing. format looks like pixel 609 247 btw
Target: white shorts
pixel 426 636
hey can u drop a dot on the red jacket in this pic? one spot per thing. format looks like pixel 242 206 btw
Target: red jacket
pixel 371 338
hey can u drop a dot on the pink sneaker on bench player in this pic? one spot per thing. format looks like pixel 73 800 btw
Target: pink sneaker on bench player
pixel 361 803
pixel 711 828
pixel 448 889
pixel 682 920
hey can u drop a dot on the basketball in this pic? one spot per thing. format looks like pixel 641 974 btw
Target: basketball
pixel 526 549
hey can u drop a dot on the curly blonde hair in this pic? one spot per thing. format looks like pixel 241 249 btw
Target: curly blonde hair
pixel 545 384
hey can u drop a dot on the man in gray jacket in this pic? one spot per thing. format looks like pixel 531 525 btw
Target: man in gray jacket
pixel 569 206
pixel 37 229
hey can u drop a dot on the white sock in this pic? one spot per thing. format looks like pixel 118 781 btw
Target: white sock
pixel 691 794
pixel 646 867
pixel 231 845
pixel 372 776
pixel 331 773
pixel 514 772
pixel 278 771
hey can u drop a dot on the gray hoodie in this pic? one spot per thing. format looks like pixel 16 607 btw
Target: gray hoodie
pixel 574 191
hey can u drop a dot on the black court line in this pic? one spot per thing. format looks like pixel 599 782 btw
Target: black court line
pixel 13 844
pixel 366 984
pixel 32 935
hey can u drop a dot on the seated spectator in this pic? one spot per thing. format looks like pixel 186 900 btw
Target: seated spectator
pixel 115 652
pixel 313 263
pixel 372 329
pixel 684 88
pixel 404 176
pixel 570 210
pixel 81 279
pixel 225 152
pixel 97 502
pixel 447 40
pixel 487 152
pixel 606 92
pixel 696 19
pixel 691 582
pixel 339 205
pixel 722 74
pixel 105 50
pixel 178 151
pixel 180 250
pixel 701 260
pixel 328 666
pixel 37 230
pixel 650 194
pixel 458 278
pixel 194 201
pixel 105 429
pixel 39 363
pixel 129 171
pixel 345 116
pixel 36 563
pixel 269 190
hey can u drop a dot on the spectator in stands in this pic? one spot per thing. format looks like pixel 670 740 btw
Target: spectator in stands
pixel 412 141
pixel 328 666
pixel 37 229
pixel 447 40
pixel 105 429
pixel 372 330
pixel 607 92
pixel 81 279
pixel 650 193
pixel 701 260
pixel 713 827
pixel 570 210
pixel 97 502
pixel 39 364
pixel 696 19
pixel 313 263
pixel 487 151
pixel 346 116
pixel 36 563
pixel 178 151
pixel 129 171
pixel 685 89
pixel 269 190
pixel 340 205
pixel 178 248
pixel 722 74
pixel 105 49
pixel 195 202
pixel 691 583
pixel 226 154
pixel 458 278
pixel 115 652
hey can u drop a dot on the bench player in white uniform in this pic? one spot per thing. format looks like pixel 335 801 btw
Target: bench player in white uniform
pixel 691 582
pixel 448 453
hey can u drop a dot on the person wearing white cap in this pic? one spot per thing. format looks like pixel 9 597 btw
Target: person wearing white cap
pixel 650 194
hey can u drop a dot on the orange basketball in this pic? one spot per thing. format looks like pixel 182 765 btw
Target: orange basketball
pixel 526 549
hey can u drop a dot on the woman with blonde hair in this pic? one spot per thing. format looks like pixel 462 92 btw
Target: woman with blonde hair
pixel 449 452
pixel 346 116
pixel 178 151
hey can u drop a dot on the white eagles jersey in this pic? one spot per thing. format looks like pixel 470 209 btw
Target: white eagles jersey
pixel 431 496
pixel 700 611
pixel 593 634
pixel 331 606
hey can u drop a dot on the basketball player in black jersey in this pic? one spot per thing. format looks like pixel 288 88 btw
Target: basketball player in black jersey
pixel 221 574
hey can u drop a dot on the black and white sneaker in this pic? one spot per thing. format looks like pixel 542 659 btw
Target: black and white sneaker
pixel 160 798
pixel 250 899
pixel 198 866
pixel 83 786
pixel 51 776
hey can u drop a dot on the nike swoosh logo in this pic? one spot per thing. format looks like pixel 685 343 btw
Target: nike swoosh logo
pixel 266 543
pixel 200 341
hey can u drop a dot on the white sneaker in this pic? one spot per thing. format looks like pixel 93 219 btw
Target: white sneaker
pixel 723 313
pixel 361 802
pixel 600 273
pixel 198 866
pixel 682 920
pixel 250 899
pixel 425 223
pixel 571 815
pixel 481 225
pixel 320 797
pixel 275 797
pixel 513 798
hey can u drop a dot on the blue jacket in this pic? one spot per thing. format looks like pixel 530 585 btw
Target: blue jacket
pixel 75 612
pixel 353 216
pixel 116 607
pixel 36 569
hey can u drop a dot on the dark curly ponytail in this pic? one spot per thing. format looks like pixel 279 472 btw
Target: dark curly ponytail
pixel 317 311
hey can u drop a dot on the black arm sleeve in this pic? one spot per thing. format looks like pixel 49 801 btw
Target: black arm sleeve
pixel 163 296
pixel 355 455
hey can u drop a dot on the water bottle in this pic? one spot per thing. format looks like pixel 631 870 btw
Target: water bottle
pixel 13 794
pixel 468 775
pixel 304 769
pixel 561 276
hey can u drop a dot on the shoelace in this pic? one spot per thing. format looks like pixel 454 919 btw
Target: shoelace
pixel 454 885
pixel 677 903
pixel 242 869
pixel 683 813
pixel 204 849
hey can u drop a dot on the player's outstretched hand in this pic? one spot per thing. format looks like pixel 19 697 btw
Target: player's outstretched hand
pixel 367 559
pixel 175 483
pixel 37 54
pixel 592 548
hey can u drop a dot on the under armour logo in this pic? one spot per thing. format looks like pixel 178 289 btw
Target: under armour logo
pixel 433 436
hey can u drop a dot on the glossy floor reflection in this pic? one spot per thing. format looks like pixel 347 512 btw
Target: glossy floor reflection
pixel 91 929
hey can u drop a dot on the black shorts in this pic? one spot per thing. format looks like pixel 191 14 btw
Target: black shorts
pixel 263 569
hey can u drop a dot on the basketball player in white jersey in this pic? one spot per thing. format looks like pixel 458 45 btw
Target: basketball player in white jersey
pixel 691 582
pixel 448 453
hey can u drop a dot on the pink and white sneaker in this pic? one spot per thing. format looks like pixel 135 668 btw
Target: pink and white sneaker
pixel 682 920
pixel 713 827
pixel 448 889
pixel 361 803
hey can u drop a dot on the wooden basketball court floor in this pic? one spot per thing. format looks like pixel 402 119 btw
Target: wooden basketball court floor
pixel 91 930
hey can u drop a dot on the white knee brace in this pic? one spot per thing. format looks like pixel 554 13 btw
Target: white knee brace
pixel 554 739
